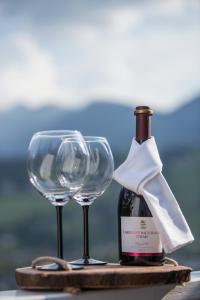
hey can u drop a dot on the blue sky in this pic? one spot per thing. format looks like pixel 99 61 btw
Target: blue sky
pixel 70 53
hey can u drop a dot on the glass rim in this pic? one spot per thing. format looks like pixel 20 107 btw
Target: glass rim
pixel 59 132
pixel 86 139
pixel 71 138
pixel 91 138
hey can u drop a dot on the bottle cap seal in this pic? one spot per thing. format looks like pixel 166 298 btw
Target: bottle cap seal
pixel 143 110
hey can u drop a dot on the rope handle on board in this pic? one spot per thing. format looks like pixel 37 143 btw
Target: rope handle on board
pixel 170 261
pixel 49 259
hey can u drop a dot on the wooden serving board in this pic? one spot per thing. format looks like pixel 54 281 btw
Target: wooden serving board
pixel 101 277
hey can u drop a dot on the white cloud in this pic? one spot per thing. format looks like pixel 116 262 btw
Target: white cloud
pixel 147 53
pixel 155 67
pixel 123 19
pixel 32 78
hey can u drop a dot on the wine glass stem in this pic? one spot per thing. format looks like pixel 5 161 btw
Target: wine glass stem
pixel 86 232
pixel 59 232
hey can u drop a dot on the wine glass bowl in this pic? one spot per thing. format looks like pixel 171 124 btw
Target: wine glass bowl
pixel 42 164
pixel 100 171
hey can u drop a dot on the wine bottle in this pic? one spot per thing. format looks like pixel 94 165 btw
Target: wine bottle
pixel 139 240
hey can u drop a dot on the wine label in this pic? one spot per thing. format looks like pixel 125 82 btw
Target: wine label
pixel 140 237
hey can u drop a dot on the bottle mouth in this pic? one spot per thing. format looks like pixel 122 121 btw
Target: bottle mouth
pixel 143 110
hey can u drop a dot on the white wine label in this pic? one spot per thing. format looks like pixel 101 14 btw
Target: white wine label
pixel 140 237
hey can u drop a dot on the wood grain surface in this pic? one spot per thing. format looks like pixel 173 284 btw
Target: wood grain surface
pixel 101 277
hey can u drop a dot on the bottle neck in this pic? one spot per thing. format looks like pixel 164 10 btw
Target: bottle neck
pixel 143 127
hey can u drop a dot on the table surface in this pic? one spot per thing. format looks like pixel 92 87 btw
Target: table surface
pixel 168 292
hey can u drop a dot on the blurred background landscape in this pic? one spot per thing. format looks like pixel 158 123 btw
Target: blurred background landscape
pixel 85 65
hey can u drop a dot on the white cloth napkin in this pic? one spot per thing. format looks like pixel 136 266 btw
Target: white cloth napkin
pixel 141 173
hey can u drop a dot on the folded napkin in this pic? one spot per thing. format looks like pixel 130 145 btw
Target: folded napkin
pixel 142 173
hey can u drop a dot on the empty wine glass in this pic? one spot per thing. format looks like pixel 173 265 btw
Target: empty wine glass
pixel 97 180
pixel 42 166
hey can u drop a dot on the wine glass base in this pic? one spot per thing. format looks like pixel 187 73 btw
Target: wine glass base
pixel 56 267
pixel 87 262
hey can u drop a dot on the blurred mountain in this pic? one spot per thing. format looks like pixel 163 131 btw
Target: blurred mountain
pixel 178 129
